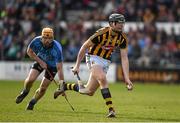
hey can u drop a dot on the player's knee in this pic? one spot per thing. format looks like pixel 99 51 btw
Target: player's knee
pixel 90 94
pixel 101 77
pixel 86 92
pixel 29 80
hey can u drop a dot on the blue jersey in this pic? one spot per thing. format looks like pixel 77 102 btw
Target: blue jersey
pixel 51 56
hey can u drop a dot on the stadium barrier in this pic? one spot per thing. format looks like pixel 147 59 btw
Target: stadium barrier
pixel 169 28
pixel 20 70
pixel 152 74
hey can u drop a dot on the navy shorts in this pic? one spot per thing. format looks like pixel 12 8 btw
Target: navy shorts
pixel 38 67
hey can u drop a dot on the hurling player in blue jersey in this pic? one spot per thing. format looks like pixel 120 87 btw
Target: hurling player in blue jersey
pixel 47 54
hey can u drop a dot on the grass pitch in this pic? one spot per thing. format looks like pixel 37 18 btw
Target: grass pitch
pixel 147 102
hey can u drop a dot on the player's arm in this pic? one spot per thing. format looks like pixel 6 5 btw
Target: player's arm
pixel 59 63
pixel 33 56
pixel 125 67
pixel 81 54
pixel 60 71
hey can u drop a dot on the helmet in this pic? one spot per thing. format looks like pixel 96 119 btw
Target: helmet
pixel 117 18
pixel 47 32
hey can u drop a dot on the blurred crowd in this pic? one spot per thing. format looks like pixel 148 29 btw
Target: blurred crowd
pixel 22 20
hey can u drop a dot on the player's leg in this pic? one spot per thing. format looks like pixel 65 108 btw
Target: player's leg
pixel 39 93
pixel 35 70
pixel 33 74
pixel 64 87
pixel 100 75
pixel 91 86
pixel 42 88
pixel 89 89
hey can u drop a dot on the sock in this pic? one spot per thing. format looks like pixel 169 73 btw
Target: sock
pixel 107 97
pixel 33 101
pixel 69 86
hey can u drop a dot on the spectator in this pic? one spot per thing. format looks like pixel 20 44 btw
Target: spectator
pixel 25 18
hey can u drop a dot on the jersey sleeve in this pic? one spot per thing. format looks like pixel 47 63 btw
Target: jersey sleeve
pixel 123 42
pixel 60 56
pixel 96 37
pixel 59 53
pixel 34 45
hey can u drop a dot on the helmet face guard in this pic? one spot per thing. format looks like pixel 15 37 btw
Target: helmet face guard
pixel 117 18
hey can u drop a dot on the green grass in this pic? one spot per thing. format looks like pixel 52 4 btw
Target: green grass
pixel 147 102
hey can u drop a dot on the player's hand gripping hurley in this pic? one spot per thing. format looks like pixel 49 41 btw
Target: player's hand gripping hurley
pixel 82 88
pixel 80 84
pixel 64 94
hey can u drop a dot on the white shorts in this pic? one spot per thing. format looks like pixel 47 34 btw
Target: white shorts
pixel 97 60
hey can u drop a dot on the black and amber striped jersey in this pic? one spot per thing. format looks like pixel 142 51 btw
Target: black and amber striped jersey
pixel 105 43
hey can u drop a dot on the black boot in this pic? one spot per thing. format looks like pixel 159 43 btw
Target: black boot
pixel 21 96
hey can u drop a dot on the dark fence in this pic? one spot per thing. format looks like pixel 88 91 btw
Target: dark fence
pixel 153 74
